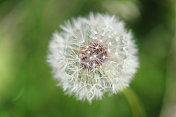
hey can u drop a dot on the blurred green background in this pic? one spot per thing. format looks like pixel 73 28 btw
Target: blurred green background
pixel 27 88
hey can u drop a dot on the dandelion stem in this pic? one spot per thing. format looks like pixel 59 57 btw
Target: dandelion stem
pixel 134 103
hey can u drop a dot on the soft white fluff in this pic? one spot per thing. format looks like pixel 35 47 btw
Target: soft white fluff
pixel 112 76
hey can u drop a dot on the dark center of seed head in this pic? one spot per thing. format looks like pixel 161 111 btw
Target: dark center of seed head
pixel 92 55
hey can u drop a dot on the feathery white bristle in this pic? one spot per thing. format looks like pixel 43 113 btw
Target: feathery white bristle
pixel 102 74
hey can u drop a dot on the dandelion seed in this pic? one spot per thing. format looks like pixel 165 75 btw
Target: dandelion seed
pixel 97 65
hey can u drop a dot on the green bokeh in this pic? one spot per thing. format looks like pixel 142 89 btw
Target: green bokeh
pixel 27 87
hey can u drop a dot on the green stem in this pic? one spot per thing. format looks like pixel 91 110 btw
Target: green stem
pixel 134 103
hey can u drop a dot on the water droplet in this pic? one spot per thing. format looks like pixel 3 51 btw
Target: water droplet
pixel 109 36
pixel 116 54
pixel 95 32
pixel 103 34
pixel 124 48
pixel 91 58
pixel 94 37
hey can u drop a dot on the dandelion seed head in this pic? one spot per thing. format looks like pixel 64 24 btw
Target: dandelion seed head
pixel 93 56
pixel 95 49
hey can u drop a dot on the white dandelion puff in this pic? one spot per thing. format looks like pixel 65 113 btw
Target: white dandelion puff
pixel 93 56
